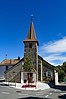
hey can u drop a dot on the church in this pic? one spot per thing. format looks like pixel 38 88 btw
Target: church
pixel 41 70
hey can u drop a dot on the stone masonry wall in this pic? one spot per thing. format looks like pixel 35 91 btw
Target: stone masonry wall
pixel 32 52
pixel 12 72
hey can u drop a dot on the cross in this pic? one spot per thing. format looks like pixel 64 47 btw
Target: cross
pixel 32 18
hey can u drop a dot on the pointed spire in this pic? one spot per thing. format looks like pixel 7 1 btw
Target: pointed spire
pixel 31 34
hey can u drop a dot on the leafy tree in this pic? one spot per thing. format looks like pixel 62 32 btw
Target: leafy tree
pixel 61 72
pixel 64 66
pixel 64 79
pixel 28 65
pixel 61 75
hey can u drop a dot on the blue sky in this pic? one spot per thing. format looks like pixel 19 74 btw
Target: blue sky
pixel 49 23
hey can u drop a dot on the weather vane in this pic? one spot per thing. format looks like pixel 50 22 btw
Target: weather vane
pixel 32 18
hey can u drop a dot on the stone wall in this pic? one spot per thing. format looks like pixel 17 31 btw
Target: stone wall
pixel 12 72
pixel 46 69
pixel 30 48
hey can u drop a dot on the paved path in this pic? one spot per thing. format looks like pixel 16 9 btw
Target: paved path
pixel 10 93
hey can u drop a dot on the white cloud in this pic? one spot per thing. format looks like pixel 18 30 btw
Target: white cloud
pixel 56 46
pixel 54 51
pixel 55 59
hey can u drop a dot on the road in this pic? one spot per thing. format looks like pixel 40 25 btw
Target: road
pixel 7 92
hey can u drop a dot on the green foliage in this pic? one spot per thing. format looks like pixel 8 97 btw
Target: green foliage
pixel 64 79
pixel 61 75
pixel 64 67
pixel 28 65
pixel 61 71
pixel 64 64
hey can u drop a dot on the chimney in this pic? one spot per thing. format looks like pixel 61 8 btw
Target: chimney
pixel 18 58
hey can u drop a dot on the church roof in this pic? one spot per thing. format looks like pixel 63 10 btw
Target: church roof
pixel 31 34
pixel 45 63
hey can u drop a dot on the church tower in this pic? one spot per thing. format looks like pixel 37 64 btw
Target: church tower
pixel 31 46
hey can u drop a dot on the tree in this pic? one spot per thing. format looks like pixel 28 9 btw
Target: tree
pixel 28 65
pixel 64 67
pixel 61 75
pixel 64 79
pixel 61 72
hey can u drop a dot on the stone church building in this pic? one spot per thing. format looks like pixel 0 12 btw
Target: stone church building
pixel 42 70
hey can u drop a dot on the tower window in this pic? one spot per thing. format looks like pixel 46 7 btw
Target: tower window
pixel 30 45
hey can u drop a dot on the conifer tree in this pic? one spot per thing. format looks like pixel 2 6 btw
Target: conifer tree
pixel 28 65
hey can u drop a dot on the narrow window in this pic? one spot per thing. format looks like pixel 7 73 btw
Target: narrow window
pixel 30 45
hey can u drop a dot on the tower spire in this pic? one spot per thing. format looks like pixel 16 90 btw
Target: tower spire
pixel 31 33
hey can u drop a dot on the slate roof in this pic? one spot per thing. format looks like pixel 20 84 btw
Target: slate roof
pixel 31 34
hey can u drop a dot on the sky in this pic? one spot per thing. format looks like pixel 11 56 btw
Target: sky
pixel 49 23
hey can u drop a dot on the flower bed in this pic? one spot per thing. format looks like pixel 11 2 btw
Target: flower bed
pixel 28 86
